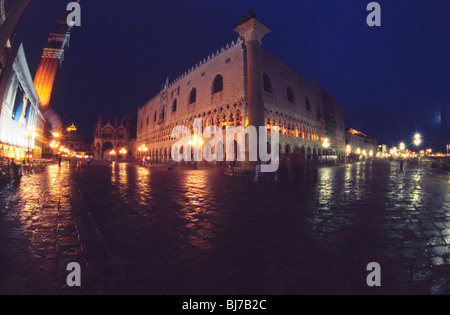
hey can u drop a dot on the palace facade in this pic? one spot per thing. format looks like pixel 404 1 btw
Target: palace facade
pixel 241 85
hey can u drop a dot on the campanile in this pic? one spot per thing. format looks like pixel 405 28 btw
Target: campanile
pixel 51 61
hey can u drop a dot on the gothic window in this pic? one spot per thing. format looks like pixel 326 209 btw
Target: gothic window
pixel 174 106
pixel 267 83
pixel 290 94
pixel 121 134
pixel 148 120
pixel 217 84
pixel 193 96
pixel 308 103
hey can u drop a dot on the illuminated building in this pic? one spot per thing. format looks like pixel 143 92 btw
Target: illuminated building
pixel 360 143
pixel 46 74
pixel 51 61
pixel 241 85
pixel 19 108
pixel 108 137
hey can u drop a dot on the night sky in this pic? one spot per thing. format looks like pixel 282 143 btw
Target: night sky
pixel 390 80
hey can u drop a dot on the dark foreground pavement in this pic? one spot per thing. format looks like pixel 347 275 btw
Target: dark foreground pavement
pixel 140 231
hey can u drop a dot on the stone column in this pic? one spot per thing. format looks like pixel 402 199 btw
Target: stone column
pixel 253 31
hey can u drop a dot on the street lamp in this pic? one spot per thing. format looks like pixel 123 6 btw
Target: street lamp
pixel 29 134
pixel 142 148
pixel 348 150
pixel 417 139
pixel 326 145
pixel 195 142
pixel 112 153
pixel 123 151
pixel 417 142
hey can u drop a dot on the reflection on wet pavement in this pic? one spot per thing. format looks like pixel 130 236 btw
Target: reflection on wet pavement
pixel 154 231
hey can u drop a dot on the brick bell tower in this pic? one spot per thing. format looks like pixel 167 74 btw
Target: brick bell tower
pixel 51 61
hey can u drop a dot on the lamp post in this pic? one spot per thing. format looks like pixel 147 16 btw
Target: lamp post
pixel 195 142
pixel 113 153
pixel 348 150
pixel 402 146
pixel 123 151
pixel 141 149
pixel 417 142
pixel 326 145
pixel 29 134
pixel 55 144
pixel 417 139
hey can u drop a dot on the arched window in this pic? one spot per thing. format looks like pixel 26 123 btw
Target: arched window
pixel 308 103
pixel 267 83
pixel 290 94
pixel 174 106
pixel 148 119
pixel 193 96
pixel 217 84
pixel 154 116
pixel 121 133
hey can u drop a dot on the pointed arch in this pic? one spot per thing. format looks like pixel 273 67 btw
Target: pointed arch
pixel 217 84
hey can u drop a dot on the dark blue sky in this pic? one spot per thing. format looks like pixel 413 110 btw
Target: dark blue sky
pixel 390 80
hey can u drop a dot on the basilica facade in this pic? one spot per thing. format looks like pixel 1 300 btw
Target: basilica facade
pixel 242 85
pixel 113 140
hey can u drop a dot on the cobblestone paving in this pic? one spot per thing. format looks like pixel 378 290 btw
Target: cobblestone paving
pixel 140 231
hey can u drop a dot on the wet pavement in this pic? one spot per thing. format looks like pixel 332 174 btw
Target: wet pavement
pixel 140 231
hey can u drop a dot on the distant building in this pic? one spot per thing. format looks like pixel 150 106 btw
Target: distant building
pixel 76 142
pixel 114 137
pixel 334 123
pixel 360 145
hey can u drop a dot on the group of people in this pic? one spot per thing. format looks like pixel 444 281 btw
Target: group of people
pixel 293 168
pixel 18 170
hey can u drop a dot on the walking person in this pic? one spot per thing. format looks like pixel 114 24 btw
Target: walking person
pixel 16 170
pixel 402 162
